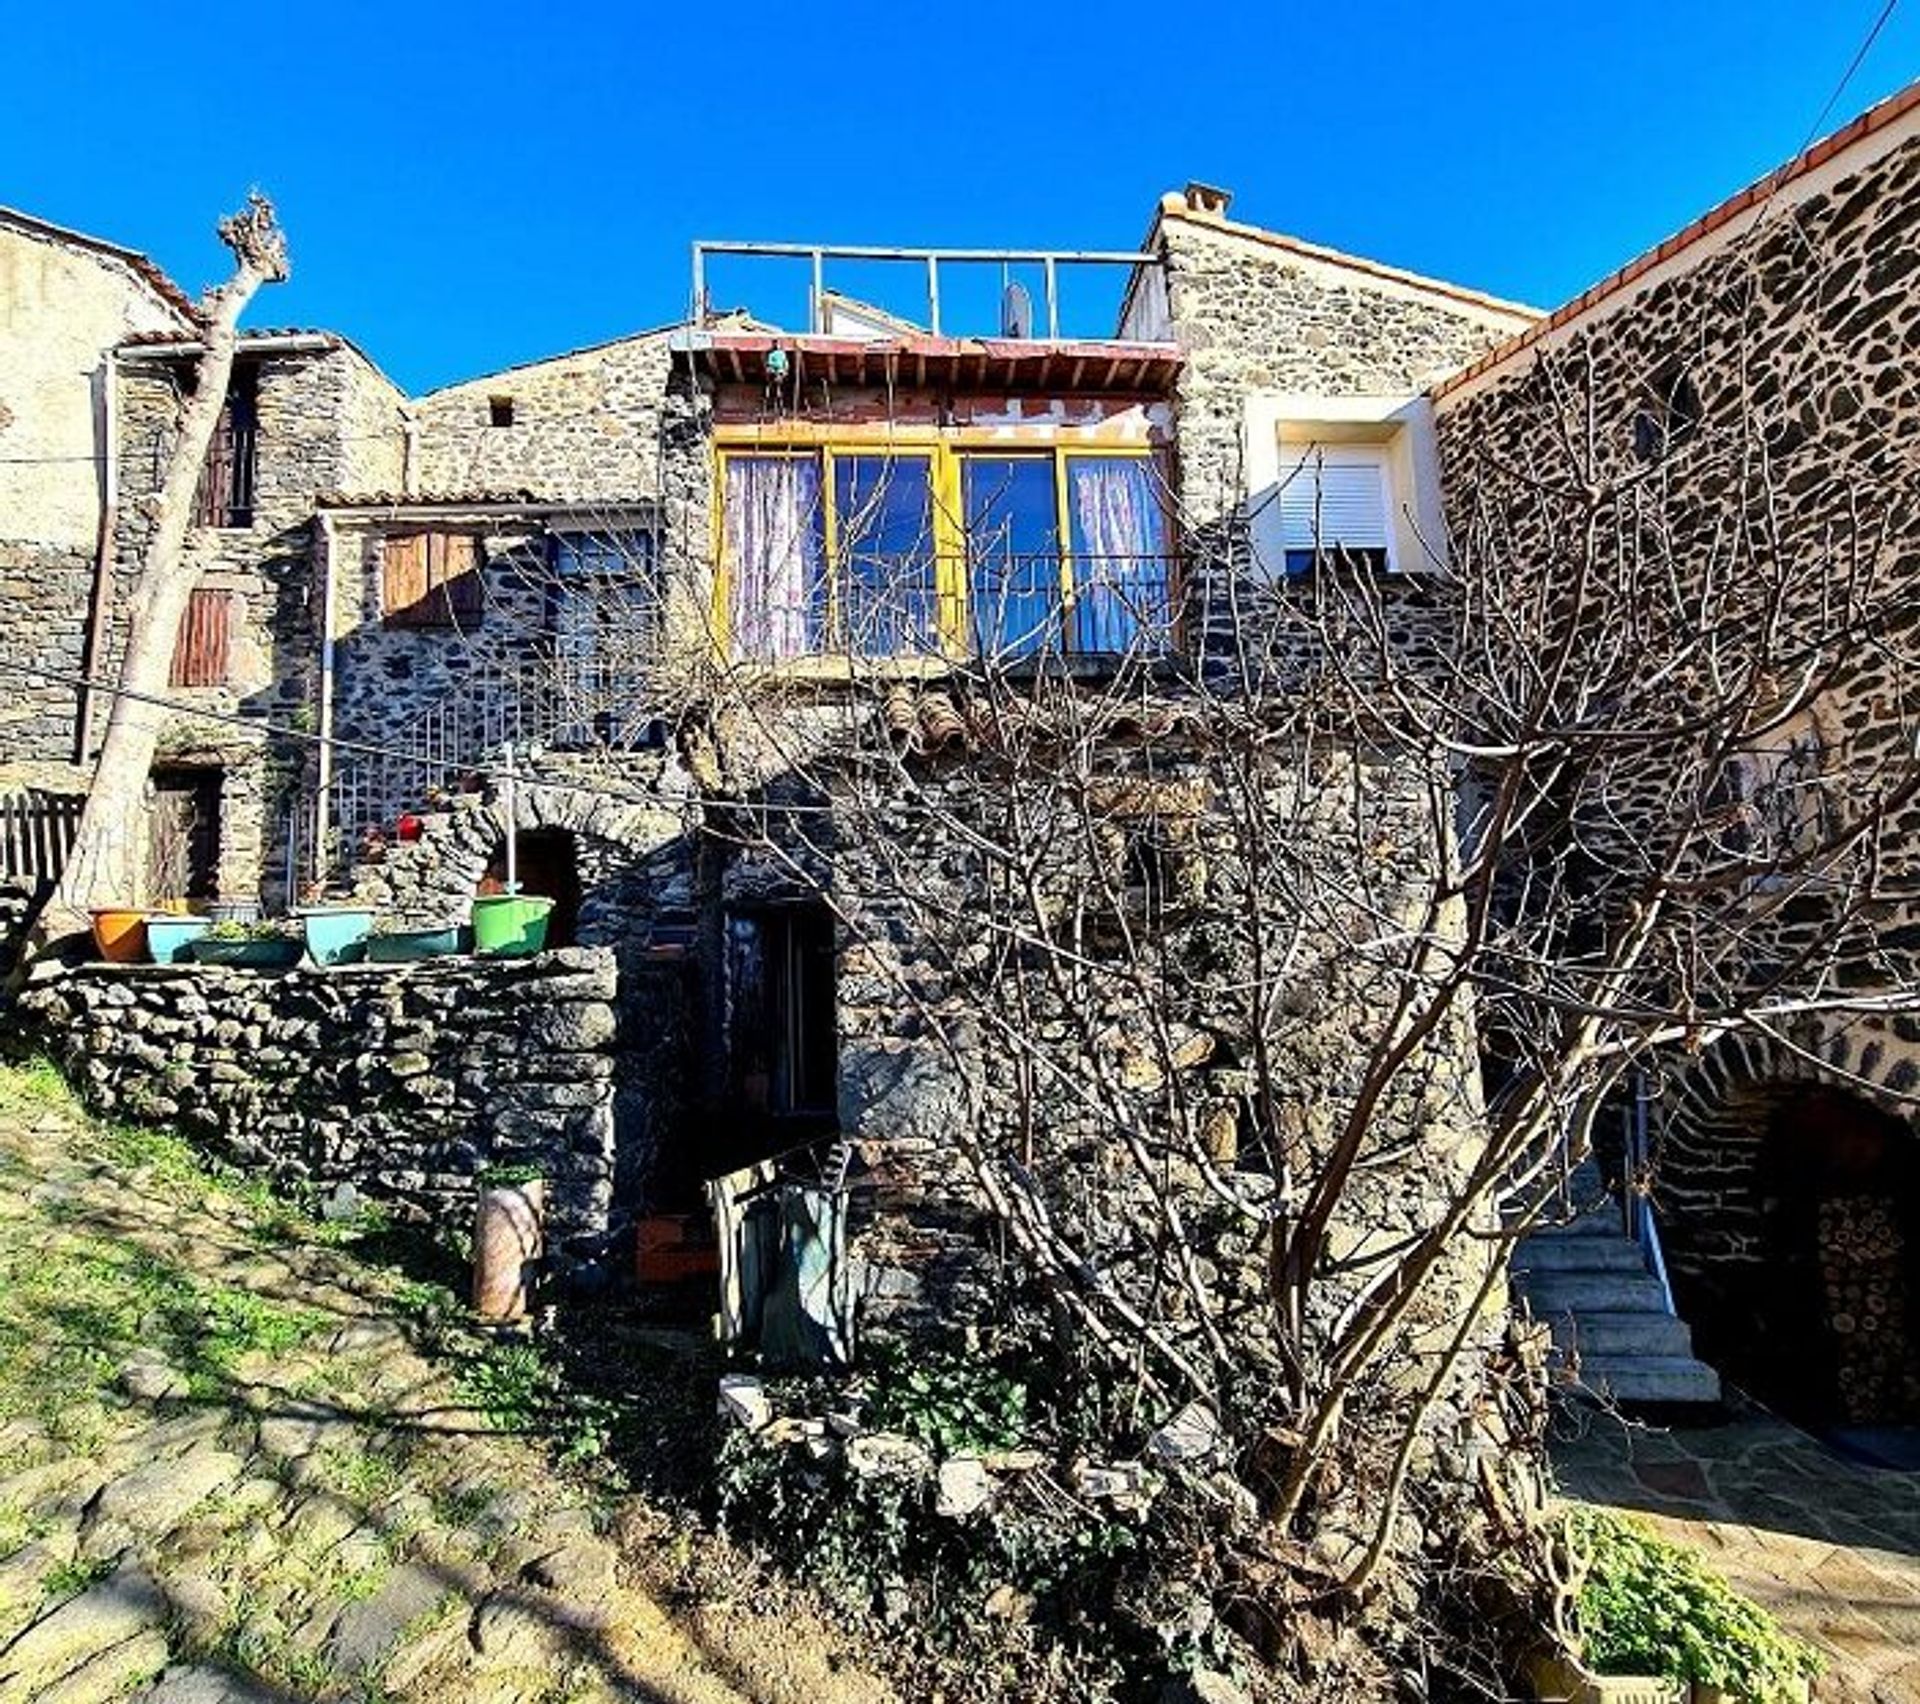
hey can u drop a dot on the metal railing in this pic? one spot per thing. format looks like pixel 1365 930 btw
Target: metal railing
pixel 1050 262
pixel 558 701
pixel 1636 1172
pixel 997 605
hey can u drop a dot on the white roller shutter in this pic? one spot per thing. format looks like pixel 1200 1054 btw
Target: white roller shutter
pixel 1331 498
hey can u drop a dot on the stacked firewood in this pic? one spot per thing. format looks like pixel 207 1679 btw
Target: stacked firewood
pixel 1862 1268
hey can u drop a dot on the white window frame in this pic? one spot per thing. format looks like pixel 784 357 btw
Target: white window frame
pixel 1279 425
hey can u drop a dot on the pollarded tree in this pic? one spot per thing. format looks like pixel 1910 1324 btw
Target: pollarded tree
pixel 104 868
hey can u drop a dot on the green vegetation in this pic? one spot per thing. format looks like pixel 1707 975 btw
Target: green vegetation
pixel 1648 1607
pixel 948 1401
pixel 70 1579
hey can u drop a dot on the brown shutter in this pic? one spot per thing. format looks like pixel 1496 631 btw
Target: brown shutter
pixel 459 578
pixel 200 650
pixel 403 580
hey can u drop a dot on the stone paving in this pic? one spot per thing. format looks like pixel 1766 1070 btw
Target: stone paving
pixel 288 1501
pixel 1830 1547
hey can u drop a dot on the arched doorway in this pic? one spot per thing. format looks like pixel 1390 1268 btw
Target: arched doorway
pixel 1804 1291
pixel 548 860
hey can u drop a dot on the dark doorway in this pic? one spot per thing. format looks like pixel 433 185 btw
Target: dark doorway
pixel 1821 1321
pixel 549 865
pixel 782 1048
pixel 183 835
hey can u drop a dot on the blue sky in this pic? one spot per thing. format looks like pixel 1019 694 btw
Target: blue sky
pixel 469 186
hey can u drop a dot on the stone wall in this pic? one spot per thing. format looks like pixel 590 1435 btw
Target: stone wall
pixel 1748 413
pixel 1254 314
pixel 45 595
pixel 401 1081
pixel 327 420
pixel 585 427
pixel 1119 1080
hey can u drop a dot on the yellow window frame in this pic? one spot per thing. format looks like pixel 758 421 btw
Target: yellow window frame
pixel 946 450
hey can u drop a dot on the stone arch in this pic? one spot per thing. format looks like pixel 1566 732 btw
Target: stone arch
pixel 629 858
pixel 1788 1179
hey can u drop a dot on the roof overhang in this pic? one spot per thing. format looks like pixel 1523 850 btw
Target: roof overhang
pixel 1069 366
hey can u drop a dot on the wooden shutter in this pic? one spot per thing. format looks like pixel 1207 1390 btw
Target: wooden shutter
pixel 1335 499
pixel 215 493
pixel 455 574
pixel 200 650
pixel 403 580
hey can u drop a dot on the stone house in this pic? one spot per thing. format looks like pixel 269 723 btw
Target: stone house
pixel 1754 369
pixel 66 302
pixel 710 569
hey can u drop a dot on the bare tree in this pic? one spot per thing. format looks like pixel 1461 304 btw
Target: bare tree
pixel 104 867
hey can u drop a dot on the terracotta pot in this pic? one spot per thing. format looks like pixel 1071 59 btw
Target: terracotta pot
pixel 509 1238
pixel 120 934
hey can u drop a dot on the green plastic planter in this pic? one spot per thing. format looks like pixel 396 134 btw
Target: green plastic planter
pixel 336 934
pixel 170 939
pixel 403 946
pixel 510 925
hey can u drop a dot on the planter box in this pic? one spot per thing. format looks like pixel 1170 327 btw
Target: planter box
pixel 336 933
pixel 170 939
pixel 120 934
pixel 402 946
pixel 510 925
pixel 279 953
pixel 670 1248
pixel 1557 1681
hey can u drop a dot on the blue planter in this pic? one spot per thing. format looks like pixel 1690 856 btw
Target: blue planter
pixel 337 934
pixel 170 939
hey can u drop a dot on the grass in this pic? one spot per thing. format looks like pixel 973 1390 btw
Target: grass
pixel 74 1307
pixel 70 1579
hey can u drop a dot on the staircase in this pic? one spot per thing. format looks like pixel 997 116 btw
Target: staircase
pixel 564 703
pixel 1615 1333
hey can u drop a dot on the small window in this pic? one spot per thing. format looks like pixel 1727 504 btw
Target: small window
pixel 200 651
pixel 1336 507
pixel 224 497
pixel 1668 415
pixel 430 580
pixel 499 411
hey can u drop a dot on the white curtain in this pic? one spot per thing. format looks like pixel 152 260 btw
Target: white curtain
pixel 1120 553
pixel 775 555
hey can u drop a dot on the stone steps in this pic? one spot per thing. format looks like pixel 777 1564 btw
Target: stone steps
pixel 1588 1282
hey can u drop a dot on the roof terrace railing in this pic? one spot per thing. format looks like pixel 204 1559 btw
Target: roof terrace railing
pixel 1050 261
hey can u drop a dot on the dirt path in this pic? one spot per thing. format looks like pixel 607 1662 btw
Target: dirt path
pixel 1831 1548
pixel 228 1473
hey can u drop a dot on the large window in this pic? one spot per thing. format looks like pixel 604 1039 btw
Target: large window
pixel 888 552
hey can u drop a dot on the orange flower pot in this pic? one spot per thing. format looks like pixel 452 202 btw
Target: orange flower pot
pixel 120 934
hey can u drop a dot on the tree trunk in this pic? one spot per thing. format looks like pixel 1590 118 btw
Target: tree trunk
pixel 104 868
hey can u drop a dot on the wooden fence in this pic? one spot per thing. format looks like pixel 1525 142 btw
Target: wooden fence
pixel 36 833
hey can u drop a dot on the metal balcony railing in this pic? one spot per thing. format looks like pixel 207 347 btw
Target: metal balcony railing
pixel 997 605
pixel 1016 316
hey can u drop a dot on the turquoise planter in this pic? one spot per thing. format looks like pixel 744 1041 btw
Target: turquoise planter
pixel 402 946
pixel 170 939
pixel 278 952
pixel 337 934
